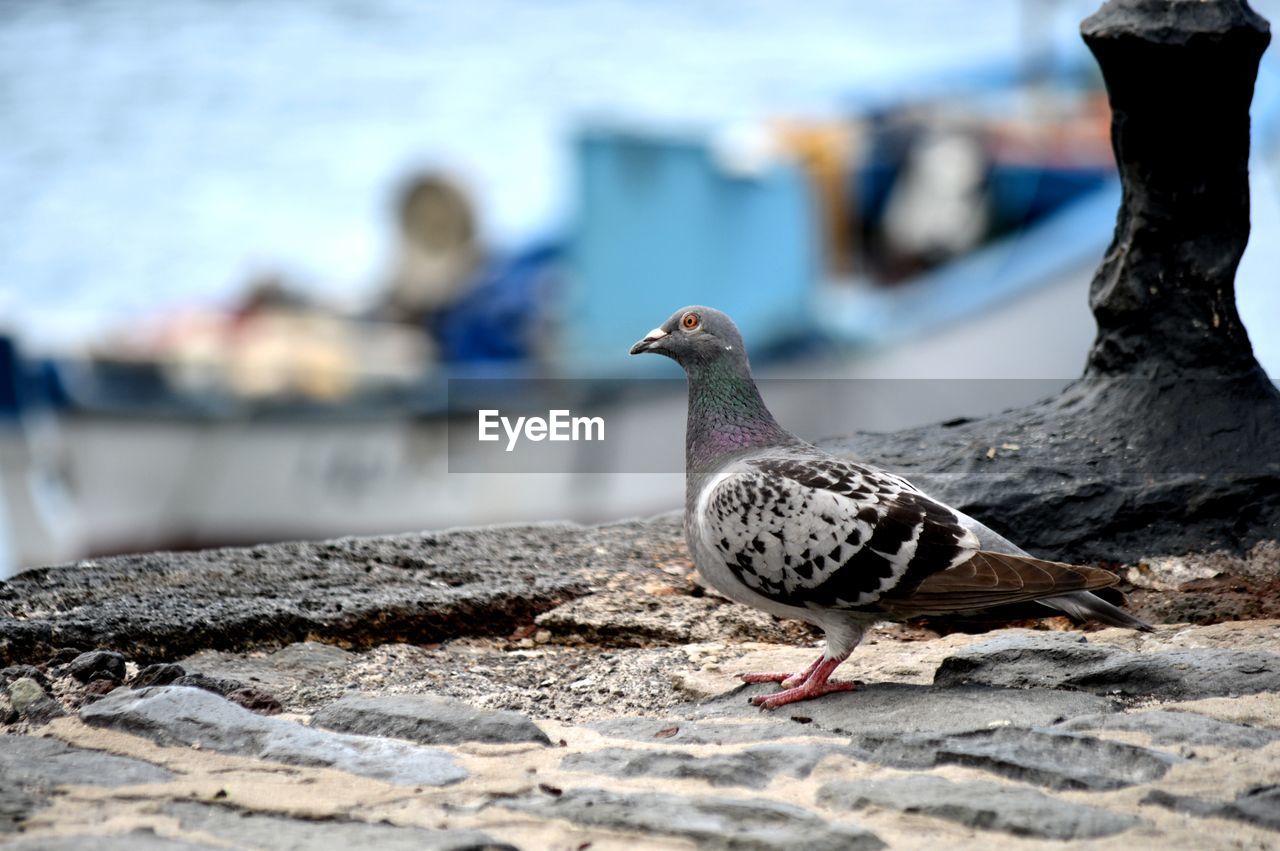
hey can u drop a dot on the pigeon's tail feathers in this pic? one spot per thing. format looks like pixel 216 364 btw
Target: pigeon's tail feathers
pixel 993 579
pixel 1090 607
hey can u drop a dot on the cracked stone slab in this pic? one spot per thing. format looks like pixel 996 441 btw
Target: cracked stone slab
pixel 1068 660
pixel 680 731
pixel 711 822
pixel 1044 757
pixel 978 804
pixel 752 767
pixel 1177 728
pixel 900 709
pixel 257 830
pixel 426 719
pixel 31 767
pixel 1259 805
pixel 175 715
pixel 354 592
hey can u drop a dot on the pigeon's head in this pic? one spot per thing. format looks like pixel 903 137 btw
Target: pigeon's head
pixel 695 336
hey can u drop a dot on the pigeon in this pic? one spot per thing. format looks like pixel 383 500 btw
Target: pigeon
pixel 778 524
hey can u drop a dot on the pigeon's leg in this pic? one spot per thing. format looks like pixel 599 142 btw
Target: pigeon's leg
pixel 787 679
pixel 814 685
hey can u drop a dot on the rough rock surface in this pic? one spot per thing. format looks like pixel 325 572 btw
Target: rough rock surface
pixel 281 672
pixel 1055 760
pixel 1057 660
pixel 36 763
pixel 426 719
pixel 174 715
pixel 1006 737
pixel 352 592
pixel 894 709
pixel 613 619
pixel 988 806
pixel 712 822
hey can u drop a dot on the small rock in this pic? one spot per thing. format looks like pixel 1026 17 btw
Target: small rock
pixel 32 703
pixel 987 806
pixel 256 700
pixel 97 665
pixel 7 713
pixel 13 672
pixel 427 719
pixel 174 715
pixel 753 767
pixel 97 689
pixel 159 674
pixel 711 822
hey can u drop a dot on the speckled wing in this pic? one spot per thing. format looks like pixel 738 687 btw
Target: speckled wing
pixel 826 532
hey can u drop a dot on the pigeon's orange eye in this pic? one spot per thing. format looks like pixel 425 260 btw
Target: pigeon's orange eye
pixel 690 321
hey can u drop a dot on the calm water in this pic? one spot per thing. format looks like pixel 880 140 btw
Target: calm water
pixel 157 154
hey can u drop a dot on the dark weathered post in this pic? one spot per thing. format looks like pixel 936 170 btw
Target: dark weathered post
pixel 1170 442
pixel 1180 78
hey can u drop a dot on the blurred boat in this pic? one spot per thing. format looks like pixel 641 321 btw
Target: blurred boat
pixel 310 426
pixel 854 232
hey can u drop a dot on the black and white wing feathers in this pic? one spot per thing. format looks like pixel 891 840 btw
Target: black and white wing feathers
pixel 823 532
pixel 828 532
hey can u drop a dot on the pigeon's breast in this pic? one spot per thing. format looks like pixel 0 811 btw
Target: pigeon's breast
pixel 705 534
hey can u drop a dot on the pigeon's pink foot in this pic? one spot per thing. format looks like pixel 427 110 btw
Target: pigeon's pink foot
pixel 813 684
pixel 788 680
pixel 805 691
pixel 773 677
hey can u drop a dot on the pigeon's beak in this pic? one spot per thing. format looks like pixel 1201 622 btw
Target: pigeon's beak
pixel 647 343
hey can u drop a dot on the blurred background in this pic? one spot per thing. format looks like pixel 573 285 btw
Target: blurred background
pixel 247 245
